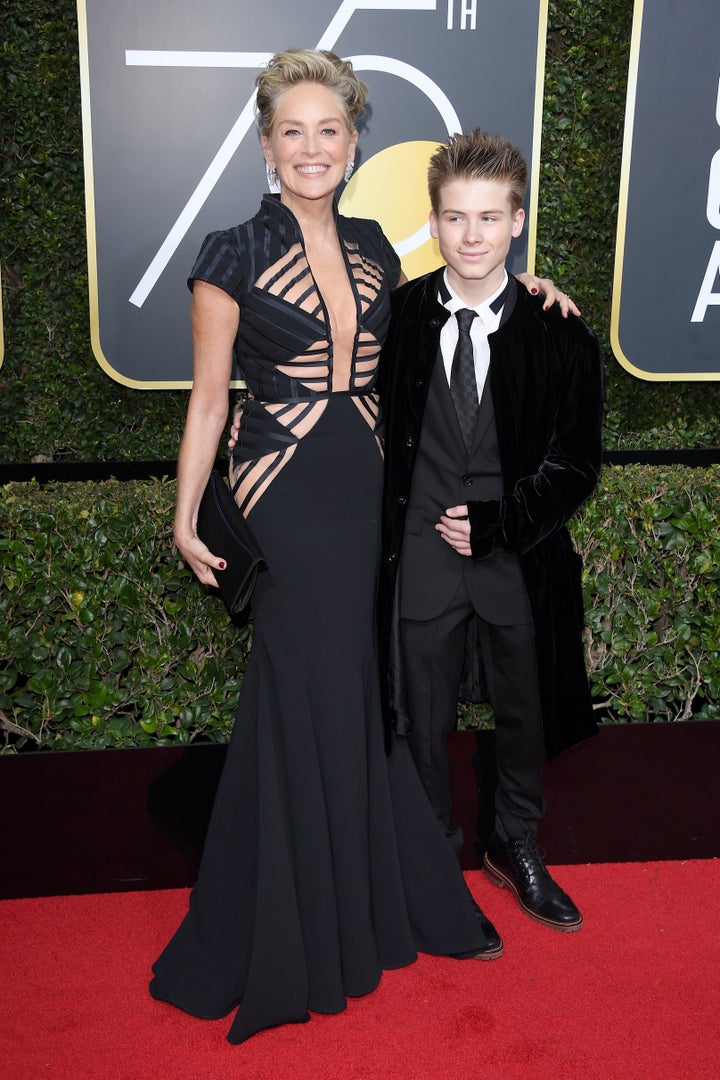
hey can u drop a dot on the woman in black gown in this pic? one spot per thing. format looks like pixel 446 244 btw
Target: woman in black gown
pixel 324 862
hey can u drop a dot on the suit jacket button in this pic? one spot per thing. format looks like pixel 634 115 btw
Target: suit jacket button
pixel 467 481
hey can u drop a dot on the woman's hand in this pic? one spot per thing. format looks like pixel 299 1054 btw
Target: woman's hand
pixel 199 558
pixel 550 291
pixel 235 426
pixel 214 319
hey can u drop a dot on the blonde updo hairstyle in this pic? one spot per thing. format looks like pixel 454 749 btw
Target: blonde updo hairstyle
pixel 287 69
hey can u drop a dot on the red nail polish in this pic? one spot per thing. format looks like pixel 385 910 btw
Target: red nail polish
pixel 223 565
pixel 534 292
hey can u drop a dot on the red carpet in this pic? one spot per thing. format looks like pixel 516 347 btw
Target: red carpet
pixel 635 995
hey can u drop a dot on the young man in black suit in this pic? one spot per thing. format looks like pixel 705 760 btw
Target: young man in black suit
pixel 492 442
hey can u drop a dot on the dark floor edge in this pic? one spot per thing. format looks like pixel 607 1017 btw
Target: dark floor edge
pixel 125 820
pixel 47 472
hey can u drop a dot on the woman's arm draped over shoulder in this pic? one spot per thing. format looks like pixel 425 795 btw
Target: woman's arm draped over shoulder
pixel 215 317
pixel 550 291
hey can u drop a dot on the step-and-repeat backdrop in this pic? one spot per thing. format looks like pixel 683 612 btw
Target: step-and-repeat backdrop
pixel 172 148
pixel 172 152
pixel 666 300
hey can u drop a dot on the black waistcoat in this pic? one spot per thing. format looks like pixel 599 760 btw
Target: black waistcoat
pixel 447 474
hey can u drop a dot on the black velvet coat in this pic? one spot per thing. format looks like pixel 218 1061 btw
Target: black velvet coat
pixel 546 380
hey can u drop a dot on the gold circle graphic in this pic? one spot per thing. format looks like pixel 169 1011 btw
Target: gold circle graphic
pixel 391 187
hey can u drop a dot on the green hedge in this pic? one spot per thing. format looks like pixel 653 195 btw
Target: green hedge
pixel 104 637
pixel 650 539
pixel 107 639
pixel 57 403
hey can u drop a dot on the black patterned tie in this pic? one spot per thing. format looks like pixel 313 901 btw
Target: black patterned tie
pixel 463 384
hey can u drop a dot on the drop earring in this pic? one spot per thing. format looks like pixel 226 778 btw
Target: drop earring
pixel 272 177
pixel 349 170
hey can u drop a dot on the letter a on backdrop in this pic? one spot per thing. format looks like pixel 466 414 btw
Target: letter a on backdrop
pixel 666 298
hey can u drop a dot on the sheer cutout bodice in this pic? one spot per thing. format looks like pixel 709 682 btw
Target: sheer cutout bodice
pixel 285 346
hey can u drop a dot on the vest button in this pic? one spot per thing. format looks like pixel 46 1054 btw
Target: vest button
pixel 402 500
pixel 410 441
pixel 434 323
pixel 392 557
pixel 419 383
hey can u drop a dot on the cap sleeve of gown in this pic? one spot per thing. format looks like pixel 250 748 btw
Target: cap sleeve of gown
pixel 221 262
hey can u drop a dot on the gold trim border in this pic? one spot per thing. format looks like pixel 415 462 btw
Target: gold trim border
pixel 647 376
pixel 93 285
pixel 91 224
pixel 537 135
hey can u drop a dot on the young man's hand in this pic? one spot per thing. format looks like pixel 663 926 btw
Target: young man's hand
pixel 454 527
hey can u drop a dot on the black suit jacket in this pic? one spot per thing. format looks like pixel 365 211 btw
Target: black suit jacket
pixel 545 378
pixel 447 474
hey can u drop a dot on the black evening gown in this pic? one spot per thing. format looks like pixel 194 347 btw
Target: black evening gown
pixel 324 862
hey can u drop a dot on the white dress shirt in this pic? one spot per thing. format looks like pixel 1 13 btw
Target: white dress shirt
pixel 486 322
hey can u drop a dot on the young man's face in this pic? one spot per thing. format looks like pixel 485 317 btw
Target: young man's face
pixel 474 225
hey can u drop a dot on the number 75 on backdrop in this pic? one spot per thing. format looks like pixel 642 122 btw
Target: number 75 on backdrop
pixel 172 150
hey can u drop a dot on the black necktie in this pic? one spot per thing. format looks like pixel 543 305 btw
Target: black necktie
pixel 463 384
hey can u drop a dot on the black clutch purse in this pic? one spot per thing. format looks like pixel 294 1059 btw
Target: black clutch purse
pixel 221 525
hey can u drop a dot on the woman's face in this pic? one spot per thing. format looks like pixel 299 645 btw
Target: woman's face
pixel 310 143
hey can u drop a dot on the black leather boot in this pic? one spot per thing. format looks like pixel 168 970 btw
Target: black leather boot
pixel 520 865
